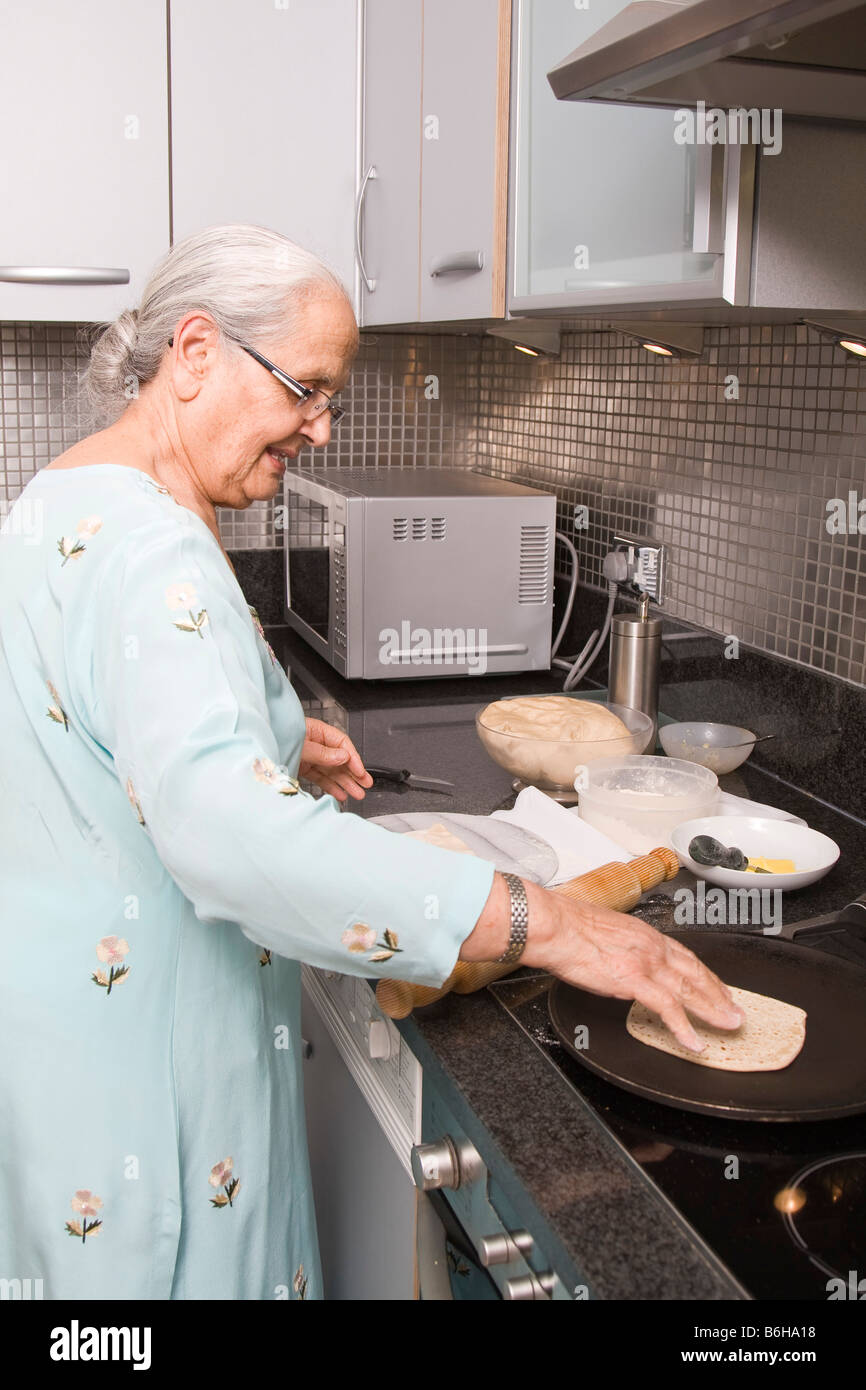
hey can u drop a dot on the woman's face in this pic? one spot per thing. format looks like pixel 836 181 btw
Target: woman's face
pixel 237 416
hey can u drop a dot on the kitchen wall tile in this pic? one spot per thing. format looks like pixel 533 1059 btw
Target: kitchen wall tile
pixel 737 489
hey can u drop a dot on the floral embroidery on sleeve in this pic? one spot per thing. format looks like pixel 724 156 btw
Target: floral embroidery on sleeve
pixel 133 801
pixel 87 1204
pixel 260 630
pixel 299 1283
pixel 360 938
pixel 179 596
pixel 56 711
pixel 71 547
pixel 111 951
pixel 277 777
pixel 221 1176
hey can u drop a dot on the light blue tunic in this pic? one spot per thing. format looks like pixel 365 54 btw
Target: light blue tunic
pixel 162 875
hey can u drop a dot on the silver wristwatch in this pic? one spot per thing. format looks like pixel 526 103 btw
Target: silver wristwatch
pixel 519 921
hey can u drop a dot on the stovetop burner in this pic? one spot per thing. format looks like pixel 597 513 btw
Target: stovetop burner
pixel 828 1196
pixel 789 1216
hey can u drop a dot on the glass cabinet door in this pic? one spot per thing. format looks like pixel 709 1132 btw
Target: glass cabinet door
pixel 603 196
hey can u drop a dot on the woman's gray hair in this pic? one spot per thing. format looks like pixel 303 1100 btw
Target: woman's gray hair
pixel 249 279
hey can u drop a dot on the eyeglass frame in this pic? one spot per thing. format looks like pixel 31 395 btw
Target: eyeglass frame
pixel 337 412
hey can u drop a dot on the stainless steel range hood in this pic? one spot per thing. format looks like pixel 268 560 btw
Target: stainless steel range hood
pixel 805 57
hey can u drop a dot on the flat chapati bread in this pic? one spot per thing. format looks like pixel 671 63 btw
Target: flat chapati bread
pixel 440 836
pixel 770 1037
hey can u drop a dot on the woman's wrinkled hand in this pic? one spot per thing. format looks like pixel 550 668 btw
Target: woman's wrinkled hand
pixel 330 759
pixel 609 953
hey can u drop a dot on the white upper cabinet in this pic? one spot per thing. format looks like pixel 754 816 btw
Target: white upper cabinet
pixel 464 159
pixel 263 120
pixel 389 198
pixel 432 210
pixel 630 206
pixel 84 163
pixel 607 206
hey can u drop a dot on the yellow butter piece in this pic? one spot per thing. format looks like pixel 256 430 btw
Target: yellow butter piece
pixel 771 866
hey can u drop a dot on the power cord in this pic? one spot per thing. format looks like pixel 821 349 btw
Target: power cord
pixel 615 568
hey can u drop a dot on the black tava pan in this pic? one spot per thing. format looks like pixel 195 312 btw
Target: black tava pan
pixel 826 1080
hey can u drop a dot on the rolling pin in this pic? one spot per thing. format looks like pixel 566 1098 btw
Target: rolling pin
pixel 619 886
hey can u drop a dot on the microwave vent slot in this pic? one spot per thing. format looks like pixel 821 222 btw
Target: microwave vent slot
pixel 418 528
pixel 534 564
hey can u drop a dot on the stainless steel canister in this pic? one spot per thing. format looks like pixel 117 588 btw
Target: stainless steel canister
pixel 633 667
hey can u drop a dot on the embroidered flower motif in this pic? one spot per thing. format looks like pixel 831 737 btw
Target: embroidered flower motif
pixel 299 1283
pixel 56 711
pixel 360 938
pixel 133 801
pixel 276 777
pixel 265 958
pixel 183 595
pixel 72 546
pixel 88 1204
pixel 221 1176
pixel 260 630
pixel 111 951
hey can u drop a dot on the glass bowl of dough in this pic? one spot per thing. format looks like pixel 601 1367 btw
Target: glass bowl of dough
pixel 543 740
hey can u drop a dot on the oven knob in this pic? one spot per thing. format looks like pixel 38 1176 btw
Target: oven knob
pixel 529 1287
pixel 501 1250
pixel 445 1164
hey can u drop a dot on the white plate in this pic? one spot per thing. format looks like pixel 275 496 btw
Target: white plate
pixel 731 805
pixel 814 854
pixel 511 848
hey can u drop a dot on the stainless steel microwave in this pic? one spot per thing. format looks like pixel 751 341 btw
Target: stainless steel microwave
pixel 395 573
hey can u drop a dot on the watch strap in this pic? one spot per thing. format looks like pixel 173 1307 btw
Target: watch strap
pixel 519 921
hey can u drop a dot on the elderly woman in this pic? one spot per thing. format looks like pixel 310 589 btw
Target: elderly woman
pixel 162 871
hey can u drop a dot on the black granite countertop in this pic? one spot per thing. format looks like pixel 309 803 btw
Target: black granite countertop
pixel 601 1215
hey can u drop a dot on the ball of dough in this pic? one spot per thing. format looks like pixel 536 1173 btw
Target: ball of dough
pixel 557 717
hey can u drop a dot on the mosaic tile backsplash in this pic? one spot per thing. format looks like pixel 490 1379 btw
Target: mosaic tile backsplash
pixel 733 460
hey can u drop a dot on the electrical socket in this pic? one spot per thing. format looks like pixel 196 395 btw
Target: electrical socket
pixel 646 564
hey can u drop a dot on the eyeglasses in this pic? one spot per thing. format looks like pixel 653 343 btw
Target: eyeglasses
pixel 316 402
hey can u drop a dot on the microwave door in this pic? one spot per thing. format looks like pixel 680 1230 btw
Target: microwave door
pixel 308 570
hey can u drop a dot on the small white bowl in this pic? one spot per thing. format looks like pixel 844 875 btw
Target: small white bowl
pixel 709 745
pixel 813 854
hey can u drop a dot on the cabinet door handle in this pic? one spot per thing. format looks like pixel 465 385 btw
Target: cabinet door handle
pixel 359 209
pixel 472 261
pixel 708 217
pixel 64 275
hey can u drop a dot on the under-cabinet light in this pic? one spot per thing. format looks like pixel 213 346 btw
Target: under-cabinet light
pixel 850 336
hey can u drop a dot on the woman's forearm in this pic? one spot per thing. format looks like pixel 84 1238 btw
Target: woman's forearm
pixel 490 937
